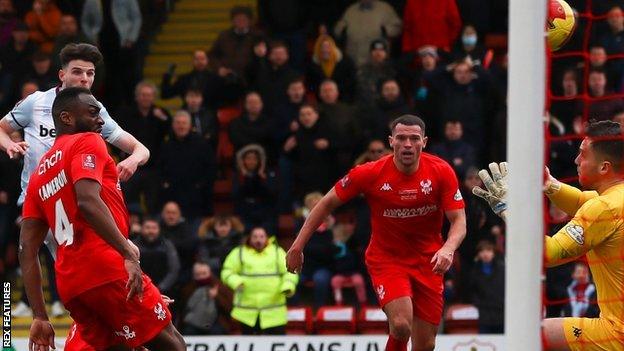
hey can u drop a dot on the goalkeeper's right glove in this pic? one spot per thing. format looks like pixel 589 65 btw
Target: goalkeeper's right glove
pixel 551 184
pixel 496 185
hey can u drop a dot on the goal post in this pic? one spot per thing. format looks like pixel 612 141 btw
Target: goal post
pixel 525 153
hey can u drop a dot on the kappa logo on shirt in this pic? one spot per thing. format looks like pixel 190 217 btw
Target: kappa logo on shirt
pixel 345 181
pixel 385 187
pixel 425 186
pixel 88 161
pixel 576 232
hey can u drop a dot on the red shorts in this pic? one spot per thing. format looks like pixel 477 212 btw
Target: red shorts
pixel 104 318
pixel 424 287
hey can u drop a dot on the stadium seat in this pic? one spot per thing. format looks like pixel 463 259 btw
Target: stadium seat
pixel 372 320
pixel 299 321
pixel 461 319
pixel 335 320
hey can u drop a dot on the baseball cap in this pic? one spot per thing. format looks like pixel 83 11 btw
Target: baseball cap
pixel 379 44
pixel 428 50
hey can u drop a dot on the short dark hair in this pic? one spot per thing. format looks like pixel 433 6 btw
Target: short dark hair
pixel 408 120
pixel 241 10
pixel 274 44
pixel 80 51
pixel 607 139
pixel 65 99
pixel 598 70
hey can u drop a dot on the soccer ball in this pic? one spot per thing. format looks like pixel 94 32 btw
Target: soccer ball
pixel 560 24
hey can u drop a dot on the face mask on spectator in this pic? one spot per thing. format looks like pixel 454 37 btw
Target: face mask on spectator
pixel 469 40
pixel 205 281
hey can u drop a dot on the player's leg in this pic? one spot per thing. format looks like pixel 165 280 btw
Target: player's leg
pixel 168 339
pixel 423 335
pixel 400 318
pixel 554 335
pixel 428 305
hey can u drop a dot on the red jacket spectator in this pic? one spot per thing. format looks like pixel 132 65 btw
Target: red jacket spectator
pixel 43 21
pixel 430 22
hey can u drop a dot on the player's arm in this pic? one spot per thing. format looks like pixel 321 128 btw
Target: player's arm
pixel 114 134
pixel 566 197
pixel 294 257
pixel 443 258
pixel 139 154
pixel 18 118
pixel 32 234
pixel 593 223
pixel 97 214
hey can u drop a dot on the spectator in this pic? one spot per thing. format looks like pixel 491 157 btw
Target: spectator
pixel 43 21
pixel 253 126
pixel 567 109
pixel 601 108
pixel 376 69
pixel 286 20
pixel 201 314
pixel 319 253
pixel 430 22
pixel 346 269
pixel 340 119
pixel 613 40
pixel 68 33
pixel 8 21
pixel 159 258
pixel 199 78
pixel 15 58
pixel 310 150
pixel 205 121
pixel 233 49
pixel 175 228
pixel 28 87
pixel 390 105
pixel 464 97
pixel 468 48
pixel 187 169
pixel 286 114
pixel 582 301
pixel 253 188
pixel 454 150
pixel 256 271
pixel 273 76
pixel 116 30
pixel 364 22
pixel 375 150
pixel 42 71
pixel 488 287
pixel 149 124
pixel 218 236
pixel 328 62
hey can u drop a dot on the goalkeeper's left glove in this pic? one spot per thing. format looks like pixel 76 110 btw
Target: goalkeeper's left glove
pixel 496 185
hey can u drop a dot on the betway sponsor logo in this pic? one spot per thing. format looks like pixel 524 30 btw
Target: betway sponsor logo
pixel 409 212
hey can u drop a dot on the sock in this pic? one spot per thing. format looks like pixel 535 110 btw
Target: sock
pixel 395 345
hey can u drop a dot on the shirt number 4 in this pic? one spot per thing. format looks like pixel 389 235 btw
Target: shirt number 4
pixel 63 229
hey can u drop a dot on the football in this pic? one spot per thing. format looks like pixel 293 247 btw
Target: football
pixel 560 23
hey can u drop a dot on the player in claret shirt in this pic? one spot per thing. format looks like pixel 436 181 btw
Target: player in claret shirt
pixel 409 193
pixel 75 191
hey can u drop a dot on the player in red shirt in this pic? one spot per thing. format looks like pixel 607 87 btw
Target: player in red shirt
pixel 409 193
pixel 75 191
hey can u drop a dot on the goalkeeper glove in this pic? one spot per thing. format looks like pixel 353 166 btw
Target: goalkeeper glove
pixel 551 185
pixel 496 185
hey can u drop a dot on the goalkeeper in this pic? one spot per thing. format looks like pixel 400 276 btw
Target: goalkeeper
pixel 596 230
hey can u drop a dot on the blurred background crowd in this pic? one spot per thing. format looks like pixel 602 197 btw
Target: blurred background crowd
pixel 269 112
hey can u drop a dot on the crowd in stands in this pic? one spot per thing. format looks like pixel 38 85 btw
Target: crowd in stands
pixel 278 108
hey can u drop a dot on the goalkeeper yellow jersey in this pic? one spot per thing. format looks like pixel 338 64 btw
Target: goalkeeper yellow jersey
pixel 596 230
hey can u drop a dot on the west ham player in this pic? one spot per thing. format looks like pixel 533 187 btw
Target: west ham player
pixel 409 193
pixel 596 230
pixel 33 115
pixel 75 191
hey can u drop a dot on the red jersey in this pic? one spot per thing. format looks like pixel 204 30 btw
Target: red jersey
pixel 406 210
pixel 84 260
